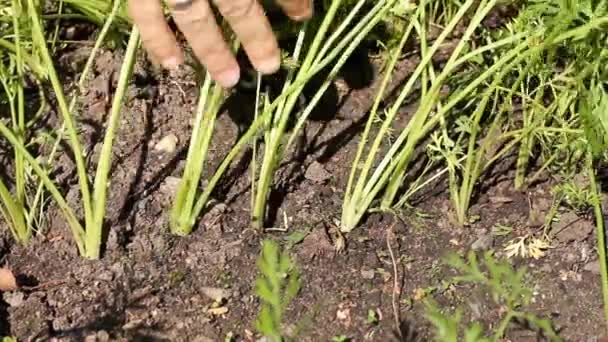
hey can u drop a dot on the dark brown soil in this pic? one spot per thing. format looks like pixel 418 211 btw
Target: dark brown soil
pixel 149 285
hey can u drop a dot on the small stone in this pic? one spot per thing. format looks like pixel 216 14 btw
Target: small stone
pixel 514 217
pixel 70 33
pixel 546 268
pixel 14 299
pixel 484 242
pixel 105 276
pixel 169 186
pixel 570 258
pixel 475 310
pixel 215 293
pixel 367 274
pixel 222 310
pixel 593 267
pixel 141 205
pixel 91 338
pixel 343 314
pixel 103 336
pixel 500 199
pixel 168 144
pixel 317 173
pixel 202 339
pixel 572 228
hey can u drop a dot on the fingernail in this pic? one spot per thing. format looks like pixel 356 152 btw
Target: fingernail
pixel 304 14
pixel 171 63
pixel 228 78
pixel 270 65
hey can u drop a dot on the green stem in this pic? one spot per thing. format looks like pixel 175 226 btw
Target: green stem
pixel 182 218
pixel 12 207
pixel 353 214
pixel 272 143
pixel 254 151
pixel 429 101
pixel 71 218
pixel 19 125
pixel 387 77
pixel 13 214
pixel 530 122
pixel 333 73
pixel 78 152
pixel 475 157
pixel 406 90
pixel 94 230
pixel 468 178
pixel 601 233
pixel 36 68
pixel 353 209
pixel 504 324
pixel 81 81
pixel 262 120
pixel 183 215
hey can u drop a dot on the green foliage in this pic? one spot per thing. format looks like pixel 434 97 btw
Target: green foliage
pixel 334 41
pixel 372 317
pixel 508 289
pixel 505 284
pixel 87 238
pixel 574 195
pixel 593 108
pixel 447 327
pixel 277 284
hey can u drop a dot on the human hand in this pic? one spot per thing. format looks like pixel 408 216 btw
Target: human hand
pixel 196 21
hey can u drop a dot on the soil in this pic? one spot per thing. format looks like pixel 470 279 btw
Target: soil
pixel 151 285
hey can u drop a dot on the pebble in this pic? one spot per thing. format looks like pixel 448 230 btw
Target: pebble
pixel 170 185
pixel 215 293
pixel 103 336
pixel 476 310
pixel 14 299
pixel 317 173
pixel 168 144
pixel 572 228
pixel 367 274
pixel 546 268
pixel 570 258
pixel 593 267
pixel 484 242
pixel 105 275
pixel 202 339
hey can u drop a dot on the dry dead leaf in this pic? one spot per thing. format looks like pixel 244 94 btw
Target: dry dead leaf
pixel 7 280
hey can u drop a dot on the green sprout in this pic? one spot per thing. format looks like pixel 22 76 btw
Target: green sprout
pixel 277 284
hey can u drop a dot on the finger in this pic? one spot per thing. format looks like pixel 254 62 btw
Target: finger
pixel 247 19
pixel 156 36
pixel 195 20
pixel 299 10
